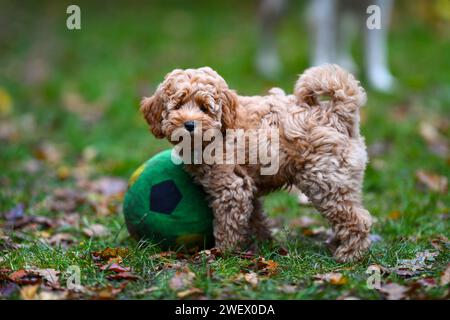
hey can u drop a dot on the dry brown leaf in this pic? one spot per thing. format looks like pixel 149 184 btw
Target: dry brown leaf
pixel 96 230
pixel 440 242
pixel 411 267
pixel 114 267
pixel 333 278
pixel 61 239
pixel 288 288
pixel 109 186
pixel 29 292
pixel 48 152
pixel 90 112
pixel 110 253
pixel 163 254
pixel 432 181
pixel 181 280
pixel 51 276
pixel 445 278
pixel 108 292
pixel 303 222
pixel 436 142
pixel 25 277
pixel 51 295
pixel 189 292
pixel 6 243
pixel 66 200
pixel 263 266
pixel 123 276
pixel 394 215
pixel 394 291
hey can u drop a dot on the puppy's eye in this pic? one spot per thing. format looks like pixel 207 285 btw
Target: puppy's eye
pixel 204 108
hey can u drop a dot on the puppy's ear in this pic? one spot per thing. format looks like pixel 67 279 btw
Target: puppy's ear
pixel 229 105
pixel 152 109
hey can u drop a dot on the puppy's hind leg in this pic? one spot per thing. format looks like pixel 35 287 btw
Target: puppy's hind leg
pixel 335 191
pixel 259 223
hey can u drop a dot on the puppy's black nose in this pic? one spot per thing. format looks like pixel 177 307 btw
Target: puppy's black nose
pixel 189 125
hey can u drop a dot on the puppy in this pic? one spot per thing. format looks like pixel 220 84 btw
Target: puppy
pixel 319 149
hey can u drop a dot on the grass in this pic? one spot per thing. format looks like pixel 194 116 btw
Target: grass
pixel 121 54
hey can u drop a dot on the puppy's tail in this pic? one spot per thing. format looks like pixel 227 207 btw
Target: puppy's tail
pixel 344 91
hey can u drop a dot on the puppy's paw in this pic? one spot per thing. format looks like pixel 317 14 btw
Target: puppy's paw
pixel 352 250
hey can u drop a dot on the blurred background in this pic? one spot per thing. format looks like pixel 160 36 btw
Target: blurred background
pixel 71 95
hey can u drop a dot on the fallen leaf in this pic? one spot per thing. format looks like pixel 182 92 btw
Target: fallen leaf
pixel 109 186
pixel 48 152
pixel 96 230
pixel 411 267
pixel 15 213
pixel 333 278
pixel 109 292
pixel 5 102
pixel 436 142
pixel 49 275
pixel 251 278
pixel 25 277
pixel 123 276
pixel 432 181
pixel 114 267
pixel 89 112
pixel 426 282
pixel 393 291
pixel 29 292
pixel 263 266
pixel 445 277
pixel 247 255
pixel 146 290
pixel 189 292
pixel 163 254
pixel 66 200
pixel 289 289
pixel 440 242
pixel 181 280
pixel 207 256
pixel 61 239
pixel 63 172
pixel 52 295
pixel 109 253
pixel 316 231
pixel 282 251
pixel 7 289
pixel 303 222
pixel 394 215
pixel 7 244
pixel 379 148
pixel 30 222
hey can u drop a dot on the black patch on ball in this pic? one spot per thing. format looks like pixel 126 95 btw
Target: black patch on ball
pixel 164 197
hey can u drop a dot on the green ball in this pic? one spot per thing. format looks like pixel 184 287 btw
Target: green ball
pixel 164 205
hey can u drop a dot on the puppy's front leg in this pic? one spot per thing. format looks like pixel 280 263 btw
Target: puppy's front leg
pixel 231 199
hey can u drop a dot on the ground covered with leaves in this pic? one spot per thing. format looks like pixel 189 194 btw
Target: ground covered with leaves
pixel 71 135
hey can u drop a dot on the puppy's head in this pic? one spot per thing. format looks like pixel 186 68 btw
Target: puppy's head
pixel 194 100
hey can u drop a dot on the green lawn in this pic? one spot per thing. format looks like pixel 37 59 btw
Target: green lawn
pixel 69 120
